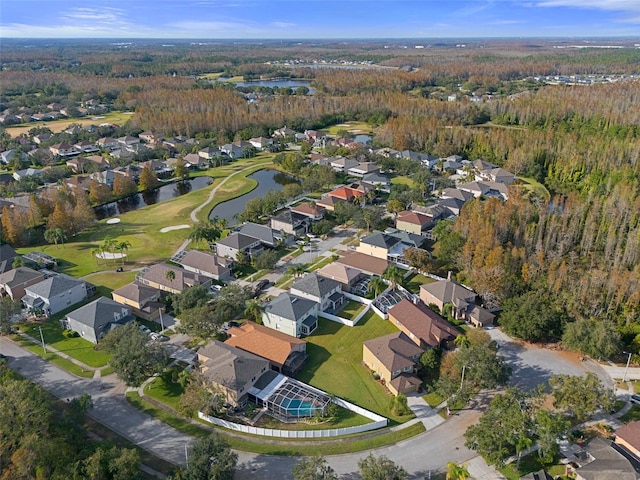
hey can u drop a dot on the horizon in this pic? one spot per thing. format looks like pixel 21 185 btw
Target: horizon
pixel 319 20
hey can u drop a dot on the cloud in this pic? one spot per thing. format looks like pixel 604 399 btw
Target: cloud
pixel 283 24
pixel 506 22
pixel 101 15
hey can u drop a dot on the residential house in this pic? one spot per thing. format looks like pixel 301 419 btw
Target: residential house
pixel 316 137
pixel 348 277
pixel 232 150
pixel 94 320
pixel 230 246
pixel 55 293
pixel 107 143
pixel 286 354
pixel 290 314
pixel 600 461
pixel 445 292
pixel 194 160
pixel 10 156
pixel 478 316
pixel 499 175
pixel 14 282
pixel 363 262
pixel 7 256
pixel 27 172
pixel 144 301
pixel 628 437
pixel 79 164
pixel 329 202
pixel 158 276
pixel 106 177
pixel 128 141
pixel 363 169
pixel 457 194
pixel 308 209
pixel 378 180
pixel 43 117
pixel 388 245
pixel 325 291
pixel 340 164
pixel 86 147
pixel 261 143
pixel 265 234
pixel 346 194
pixel 207 264
pixel 477 189
pixel 230 370
pixel 209 153
pixel 414 222
pixel 147 137
pixel 99 160
pixel 290 222
pixel 394 357
pixel 424 327
pixel 129 171
pixel 284 132
pixel 41 138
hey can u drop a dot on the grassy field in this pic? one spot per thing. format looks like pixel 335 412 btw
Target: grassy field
pixel 533 186
pixel 413 282
pixel 401 180
pixel 56 126
pixel 353 127
pixel 335 355
pixel 141 228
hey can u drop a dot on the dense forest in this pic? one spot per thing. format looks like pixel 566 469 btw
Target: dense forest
pixel 575 250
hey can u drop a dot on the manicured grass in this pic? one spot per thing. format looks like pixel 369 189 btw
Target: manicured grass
pixel 531 463
pixel 252 443
pixel 631 415
pixel 77 347
pixel 433 399
pixel 413 282
pixel 112 280
pixel 53 358
pixel 323 263
pixel 117 117
pixel 334 365
pixel 362 128
pixel 344 418
pixel 402 180
pixel 351 309
pixel 163 389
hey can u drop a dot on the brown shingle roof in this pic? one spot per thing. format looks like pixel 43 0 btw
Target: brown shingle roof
pixel 630 433
pixel 264 342
pixel 157 273
pixel 413 218
pixel 307 209
pixel 366 263
pixel 136 292
pixel 342 273
pixel 394 351
pixel 230 366
pixel 426 325
pixel 205 262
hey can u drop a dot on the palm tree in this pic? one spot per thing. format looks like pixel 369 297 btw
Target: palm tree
pixel 461 341
pixel 254 311
pixel 457 472
pixel 296 269
pixel 123 247
pixel 377 285
pixel 109 245
pixel 54 235
pixel 394 275
pixel 170 275
pixel 97 254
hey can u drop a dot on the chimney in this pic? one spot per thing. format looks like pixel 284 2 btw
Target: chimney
pixel 449 275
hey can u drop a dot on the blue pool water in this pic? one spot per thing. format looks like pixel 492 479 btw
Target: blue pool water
pixel 300 408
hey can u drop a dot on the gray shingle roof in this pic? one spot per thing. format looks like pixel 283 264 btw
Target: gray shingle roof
pixel 261 232
pixel 316 285
pixel 289 306
pixel 52 286
pixel 379 239
pixel 99 313
pixel 230 366
pixel 239 241
pixel 18 276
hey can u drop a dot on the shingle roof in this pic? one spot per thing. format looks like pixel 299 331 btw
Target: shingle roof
pixel 608 464
pixel 230 366
pixel 314 284
pixel 341 273
pixel 307 209
pixel 99 312
pixel 404 381
pixel 414 218
pixel 456 193
pixel 7 254
pixel 261 232
pixel 238 241
pixel 289 306
pixel 204 261
pixel 448 291
pixel 18 276
pixel 426 325
pixel 157 273
pixel 366 263
pixel 262 341
pixel 52 286
pixel 630 433
pixel 381 240
pixel 136 292
pixel 394 351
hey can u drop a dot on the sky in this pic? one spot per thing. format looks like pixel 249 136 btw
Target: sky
pixel 301 19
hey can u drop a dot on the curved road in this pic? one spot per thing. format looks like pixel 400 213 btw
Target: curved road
pixel 418 455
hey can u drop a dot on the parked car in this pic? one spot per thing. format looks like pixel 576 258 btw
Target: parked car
pixel 144 329
pixel 635 399
pixel 260 285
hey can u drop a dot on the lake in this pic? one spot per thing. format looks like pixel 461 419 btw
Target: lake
pixel 267 180
pixel 275 83
pixel 161 194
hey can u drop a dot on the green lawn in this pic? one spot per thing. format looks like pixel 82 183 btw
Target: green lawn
pixel 531 463
pixel 351 309
pixel 53 358
pixel 402 180
pixel 631 415
pixel 344 418
pixel 77 347
pixel 533 186
pixel 335 355
pixel 164 390
pixel 433 399
pixel 360 127
pixel 413 282
pixel 112 280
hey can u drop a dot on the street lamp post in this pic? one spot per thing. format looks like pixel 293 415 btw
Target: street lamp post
pixel 161 322
pixel 42 338
pixel 626 369
pixel 464 367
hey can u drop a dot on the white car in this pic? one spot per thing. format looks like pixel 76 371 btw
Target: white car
pixel 635 399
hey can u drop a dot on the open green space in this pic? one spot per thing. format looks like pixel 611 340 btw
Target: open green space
pixel 63 363
pixel 256 444
pixel 164 389
pixel 531 185
pixel 112 280
pixel 56 126
pixel 351 309
pixel 433 399
pixel 352 127
pixel 334 365
pixel 413 282
pixel 402 180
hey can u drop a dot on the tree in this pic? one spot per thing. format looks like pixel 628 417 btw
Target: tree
pixel 457 472
pixel 99 192
pixel 399 405
pixel 123 246
pixel 170 275
pixel 313 468
pixel 148 179
pixel 83 214
pixel 394 274
pixel 418 258
pixel 549 426
pixel 199 322
pixel 266 260
pixel 61 218
pixel 516 318
pixel 123 185
pixel 113 463
pixel 196 296
pixel 133 357
pixel 580 397
pixel 377 285
pixel 381 468
pixel 200 396
pixel 297 269
pixel 209 230
pixel 210 458
pixel 8 308
pixel 595 337
pixel 181 171
pixel 254 310
pixel 430 361
pixel 54 235
pixel 395 206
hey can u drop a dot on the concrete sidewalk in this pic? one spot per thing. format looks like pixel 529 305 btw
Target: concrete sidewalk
pixel 424 413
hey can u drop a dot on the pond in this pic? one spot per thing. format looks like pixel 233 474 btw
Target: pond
pixel 267 180
pixel 161 194
pixel 275 83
